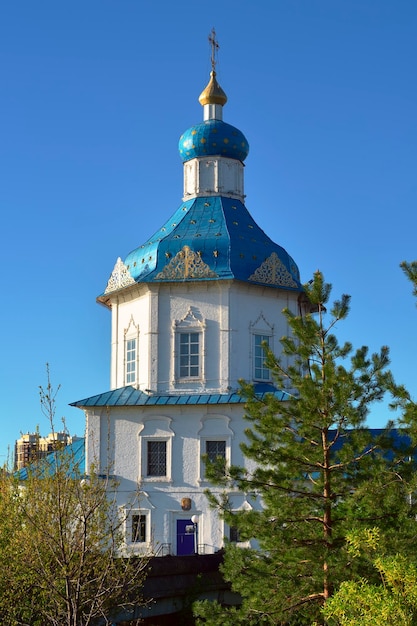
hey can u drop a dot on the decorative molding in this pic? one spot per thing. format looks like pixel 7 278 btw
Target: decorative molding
pixel 192 319
pixel 132 325
pixel 120 277
pixel 261 324
pixel 186 264
pixel 273 272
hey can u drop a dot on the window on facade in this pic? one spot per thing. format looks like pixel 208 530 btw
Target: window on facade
pixel 216 453
pixel 215 450
pixel 138 528
pixel 157 458
pixel 234 536
pixel 189 359
pixel 261 372
pixel 130 361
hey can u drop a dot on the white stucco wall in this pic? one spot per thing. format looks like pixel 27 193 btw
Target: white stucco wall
pixel 228 313
pixel 122 445
pixel 213 175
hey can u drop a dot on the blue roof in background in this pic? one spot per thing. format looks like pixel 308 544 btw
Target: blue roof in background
pixel 396 438
pixel 71 456
pixel 223 242
pixel 129 396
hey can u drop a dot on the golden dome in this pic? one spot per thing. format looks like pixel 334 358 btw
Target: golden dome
pixel 213 93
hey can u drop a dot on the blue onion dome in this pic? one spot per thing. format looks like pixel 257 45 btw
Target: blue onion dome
pixel 213 137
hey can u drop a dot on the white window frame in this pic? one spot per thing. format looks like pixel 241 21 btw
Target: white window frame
pixel 260 368
pixel 155 429
pixel 214 428
pixel 245 506
pixel 186 351
pixel 207 441
pixel 190 324
pixel 130 372
pixel 138 545
pixel 149 442
pixel 131 333
pixel 142 519
pixel 144 465
pixel 226 457
pixel 260 328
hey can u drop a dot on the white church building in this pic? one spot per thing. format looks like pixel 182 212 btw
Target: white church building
pixel 190 309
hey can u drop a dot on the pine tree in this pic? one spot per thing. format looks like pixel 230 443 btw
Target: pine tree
pixel 393 598
pixel 317 472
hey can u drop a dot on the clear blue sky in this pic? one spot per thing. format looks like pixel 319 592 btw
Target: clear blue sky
pixel 94 96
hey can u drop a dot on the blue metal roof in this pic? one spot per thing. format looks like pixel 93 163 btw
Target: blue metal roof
pixel 72 458
pixel 213 137
pixel 129 396
pixel 221 240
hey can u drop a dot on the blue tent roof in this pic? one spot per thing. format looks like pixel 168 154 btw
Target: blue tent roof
pixel 222 241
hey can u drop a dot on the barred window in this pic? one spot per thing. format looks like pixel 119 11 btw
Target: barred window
pixel 157 458
pixel 215 449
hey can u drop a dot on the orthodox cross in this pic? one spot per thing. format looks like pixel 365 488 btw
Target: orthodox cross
pixel 214 48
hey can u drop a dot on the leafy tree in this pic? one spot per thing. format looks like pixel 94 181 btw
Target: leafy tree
pixel 391 601
pixel 313 472
pixel 61 540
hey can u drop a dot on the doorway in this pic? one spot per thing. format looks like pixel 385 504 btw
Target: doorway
pixel 185 537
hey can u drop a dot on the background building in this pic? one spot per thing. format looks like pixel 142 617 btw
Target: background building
pixel 32 446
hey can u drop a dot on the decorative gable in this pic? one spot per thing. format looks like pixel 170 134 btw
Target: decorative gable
pixel 261 325
pixel 186 264
pixel 120 277
pixel 273 272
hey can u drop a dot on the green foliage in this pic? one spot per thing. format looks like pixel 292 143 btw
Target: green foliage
pixel 314 472
pixel 410 270
pixel 61 544
pixel 391 601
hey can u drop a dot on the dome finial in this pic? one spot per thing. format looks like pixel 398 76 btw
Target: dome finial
pixel 213 94
pixel 214 48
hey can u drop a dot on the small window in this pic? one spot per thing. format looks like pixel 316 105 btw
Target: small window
pixel 130 361
pixel 157 458
pixel 234 535
pixel 215 450
pixel 138 528
pixel 261 372
pixel 189 363
pixel 216 453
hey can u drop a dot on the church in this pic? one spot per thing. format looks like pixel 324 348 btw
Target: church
pixel 191 309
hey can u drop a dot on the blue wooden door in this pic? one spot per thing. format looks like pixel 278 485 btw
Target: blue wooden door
pixel 185 537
